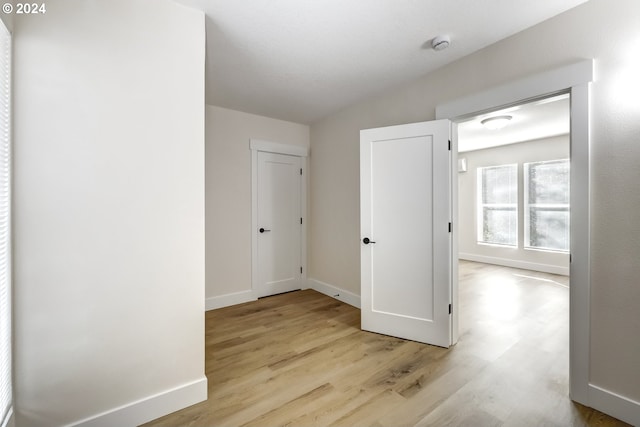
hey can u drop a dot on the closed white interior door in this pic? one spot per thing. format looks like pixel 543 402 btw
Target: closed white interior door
pixel 279 223
pixel 405 211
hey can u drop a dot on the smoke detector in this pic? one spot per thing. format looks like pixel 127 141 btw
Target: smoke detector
pixel 440 42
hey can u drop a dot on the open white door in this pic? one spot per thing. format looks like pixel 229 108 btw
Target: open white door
pixel 405 220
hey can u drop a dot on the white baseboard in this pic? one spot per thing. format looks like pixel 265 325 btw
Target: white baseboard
pixel 525 265
pixel 150 408
pixel 334 292
pixel 229 299
pixel 615 405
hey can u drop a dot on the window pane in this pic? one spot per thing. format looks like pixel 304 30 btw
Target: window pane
pixel 547 205
pixel 500 226
pixel 500 185
pixel 548 182
pixel 549 229
pixel 498 205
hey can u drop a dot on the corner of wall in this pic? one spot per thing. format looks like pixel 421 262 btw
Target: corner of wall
pixel 334 292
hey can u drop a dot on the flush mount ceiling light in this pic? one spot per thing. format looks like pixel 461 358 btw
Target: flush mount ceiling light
pixel 497 122
pixel 440 42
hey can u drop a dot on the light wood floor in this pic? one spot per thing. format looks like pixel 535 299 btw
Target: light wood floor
pixel 300 359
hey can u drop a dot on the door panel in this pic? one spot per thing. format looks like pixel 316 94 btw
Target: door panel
pixel 279 228
pixel 405 211
pixel 405 258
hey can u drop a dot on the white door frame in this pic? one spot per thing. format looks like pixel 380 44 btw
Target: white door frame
pixel 573 79
pixel 256 145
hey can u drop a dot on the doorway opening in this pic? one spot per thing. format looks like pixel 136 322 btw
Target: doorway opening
pixel 514 239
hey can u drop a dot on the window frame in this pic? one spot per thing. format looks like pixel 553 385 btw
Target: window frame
pixel 481 206
pixel 6 334
pixel 526 206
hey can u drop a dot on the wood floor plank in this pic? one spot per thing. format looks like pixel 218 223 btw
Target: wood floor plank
pixel 342 403
pixel 293 408
pixel 434 393
pixel 370 411
pixel 300 359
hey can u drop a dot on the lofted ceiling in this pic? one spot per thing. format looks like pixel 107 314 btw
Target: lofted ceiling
pixel 300 60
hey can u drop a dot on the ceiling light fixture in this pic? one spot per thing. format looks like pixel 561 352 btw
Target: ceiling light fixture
pixel 497 122
pixel 440 42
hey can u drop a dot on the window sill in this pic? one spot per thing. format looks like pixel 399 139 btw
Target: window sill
pixel 497 245
pixel 553 251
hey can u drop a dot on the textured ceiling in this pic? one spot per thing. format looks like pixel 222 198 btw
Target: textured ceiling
pixel 301 60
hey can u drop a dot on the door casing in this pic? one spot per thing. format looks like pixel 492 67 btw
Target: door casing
pixel 573 79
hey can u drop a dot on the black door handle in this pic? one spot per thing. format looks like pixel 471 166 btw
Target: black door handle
pixel 262 230
pixel 366 241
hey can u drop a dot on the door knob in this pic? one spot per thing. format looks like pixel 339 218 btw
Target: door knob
pixel 366 241
pixel 262 230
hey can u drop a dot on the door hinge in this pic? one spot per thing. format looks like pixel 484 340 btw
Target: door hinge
pixel 449 145
pixel 300 270
pixel 450 309
pixel 300 171
pixel 300 221
pixel 450 227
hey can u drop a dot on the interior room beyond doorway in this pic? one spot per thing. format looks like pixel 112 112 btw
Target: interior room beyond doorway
pixel 513 184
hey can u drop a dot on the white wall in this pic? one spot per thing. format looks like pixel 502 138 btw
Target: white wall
pixel 584 32
pixel 228 197
pixel 532 151
pixel 109 212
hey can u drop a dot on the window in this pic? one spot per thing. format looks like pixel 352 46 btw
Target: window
pixel 5 226
pixel 498 205
pixel 546 205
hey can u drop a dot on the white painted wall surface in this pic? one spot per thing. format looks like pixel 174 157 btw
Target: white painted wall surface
pixel 228 197
pixel 533 151
pixel 109 212
pixel 584 32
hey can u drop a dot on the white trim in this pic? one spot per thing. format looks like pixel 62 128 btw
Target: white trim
pixel 257 145
pixel 276 147
pixel 304 186
pixel 545 83
pixel 575 79
pixel 335 292
pixel 453 184
pixel 226 300
pixel 580 289
pixel 150 408
pixel 254 221
pixel 609 402
pixel 525 265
